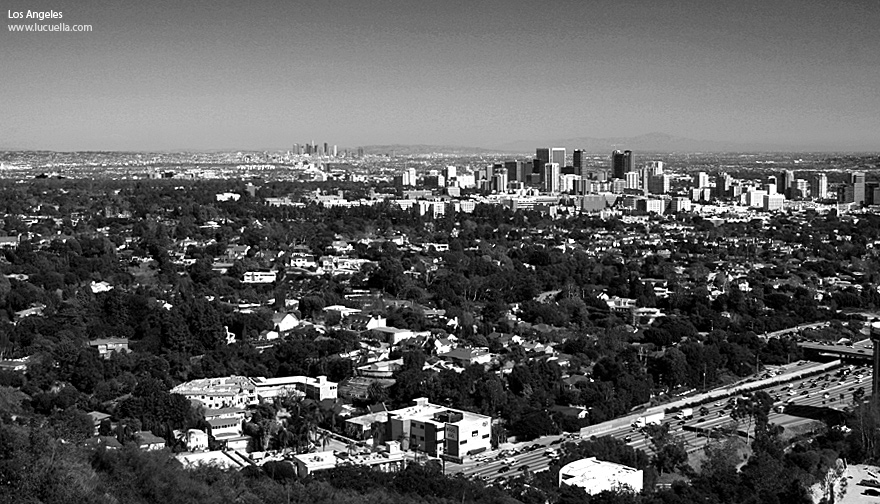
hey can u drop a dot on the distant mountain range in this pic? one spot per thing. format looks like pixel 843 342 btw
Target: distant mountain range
pixel 413 150
pixel 651 142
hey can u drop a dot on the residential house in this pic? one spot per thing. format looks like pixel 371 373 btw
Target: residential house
pixel 97 417
pixel 216 393
pixel 364 322
pixel 392 335
pixel 225 422
pixel 259 277
pixel 318 388
pixel 148 441
pixel 234 252
pixel 284 322
pixel 16 365
pixel 443 345
pixel 463 356
pixel 196 440
pixel 343 311
pixel 9 241
pixel 106 346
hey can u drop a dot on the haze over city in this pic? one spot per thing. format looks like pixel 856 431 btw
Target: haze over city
pixel 233 75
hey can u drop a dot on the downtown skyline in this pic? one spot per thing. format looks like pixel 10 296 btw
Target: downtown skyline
pixel 227 75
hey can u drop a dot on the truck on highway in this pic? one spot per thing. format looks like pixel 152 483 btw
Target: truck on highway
pixel 652 419
pixel 685 413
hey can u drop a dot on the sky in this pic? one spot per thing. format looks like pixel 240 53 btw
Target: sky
pixel 255 74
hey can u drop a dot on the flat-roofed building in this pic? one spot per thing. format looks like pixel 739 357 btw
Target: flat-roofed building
pixel 216 393
pixel 106 346
pixel 427 428
pixel 596 476
pixel 388 460
pixel 240 391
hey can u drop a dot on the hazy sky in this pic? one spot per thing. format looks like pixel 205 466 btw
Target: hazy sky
pixel 178 74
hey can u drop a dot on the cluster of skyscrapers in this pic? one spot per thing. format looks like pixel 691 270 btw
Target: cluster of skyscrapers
pixel 313 149
pixel 587 177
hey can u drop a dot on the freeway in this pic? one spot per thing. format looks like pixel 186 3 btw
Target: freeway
pixel 826 389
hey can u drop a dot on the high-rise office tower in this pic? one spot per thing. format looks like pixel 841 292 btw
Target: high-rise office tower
pixel 360 152
pixel 579 161
pixel 538 165
pixel 621 163
pixel 499 181
pixel 872 193
pixel 857 181
pixel 514 171
pixel 784 183
pixel 658 184
pixel 701 180
pixel 543 154
pixel 449 172
pixel 334 151
pixel 551 177
pixel 632 180
pixel 557 155
pixel 409 177
pixel 819 189
pixel 723 185
pixel 655 167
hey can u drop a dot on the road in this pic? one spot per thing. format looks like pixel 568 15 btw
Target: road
pixel 809 391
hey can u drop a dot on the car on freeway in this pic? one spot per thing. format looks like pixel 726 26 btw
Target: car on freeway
pixel 536 446
pixel 503 469
pixel 558 441
pixel 524 468
pixel 627 438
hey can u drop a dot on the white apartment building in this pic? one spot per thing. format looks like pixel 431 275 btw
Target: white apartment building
pixel 428 428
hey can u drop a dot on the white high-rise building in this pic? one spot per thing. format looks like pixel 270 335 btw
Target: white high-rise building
pixel 632 180
pixel 551 177
pixel 702 180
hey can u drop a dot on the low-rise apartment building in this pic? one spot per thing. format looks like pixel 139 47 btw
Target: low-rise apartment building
pixel 428 428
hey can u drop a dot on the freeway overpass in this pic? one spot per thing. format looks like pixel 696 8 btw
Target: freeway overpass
pixel 860 351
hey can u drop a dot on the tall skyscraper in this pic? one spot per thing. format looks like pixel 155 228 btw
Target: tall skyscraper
pixel 538 165
pixel 621 163
pixel 784 183
pixel 409 177
pixel 632 180
pixel 557 155
pixel 515 171
pixel 723 185
pixel 701 180
pixel 658 184
pixel 857 181
pixel 820 186
pixel 655 167
pixel 543 154
pixel 551 177
pixel 579 161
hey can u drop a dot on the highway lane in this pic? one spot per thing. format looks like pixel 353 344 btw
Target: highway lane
pixel 804 391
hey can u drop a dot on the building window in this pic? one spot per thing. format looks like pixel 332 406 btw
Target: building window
pixel 485 436
pixel 475 433
pixel 463 441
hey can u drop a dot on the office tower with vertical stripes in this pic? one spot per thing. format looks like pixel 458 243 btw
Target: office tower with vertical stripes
pixel 621 163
